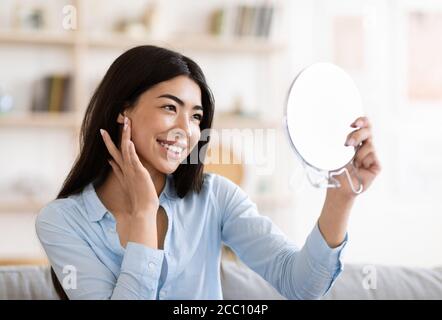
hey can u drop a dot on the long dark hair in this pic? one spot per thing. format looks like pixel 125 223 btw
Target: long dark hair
pixel 131 74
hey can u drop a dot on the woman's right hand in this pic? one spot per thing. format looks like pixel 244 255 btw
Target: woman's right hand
pixel 134 178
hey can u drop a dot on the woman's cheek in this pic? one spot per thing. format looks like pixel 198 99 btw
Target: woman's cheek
pixel 196 136
pixel 142 144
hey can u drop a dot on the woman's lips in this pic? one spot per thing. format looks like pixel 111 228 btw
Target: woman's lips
pixel 181 144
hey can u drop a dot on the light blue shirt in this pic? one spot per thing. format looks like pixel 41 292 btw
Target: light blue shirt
pixel 79 236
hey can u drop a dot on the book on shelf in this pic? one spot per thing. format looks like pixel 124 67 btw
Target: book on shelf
pixel 243 21
pixel 52 94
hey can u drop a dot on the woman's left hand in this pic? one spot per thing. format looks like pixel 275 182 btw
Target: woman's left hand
pixel 366 161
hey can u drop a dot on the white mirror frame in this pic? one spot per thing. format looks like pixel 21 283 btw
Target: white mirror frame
pixel 317 177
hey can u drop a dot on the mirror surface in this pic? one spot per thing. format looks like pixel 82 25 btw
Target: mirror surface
pixel 322 103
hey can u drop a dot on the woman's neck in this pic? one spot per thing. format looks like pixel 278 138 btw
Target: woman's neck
pixel 115 200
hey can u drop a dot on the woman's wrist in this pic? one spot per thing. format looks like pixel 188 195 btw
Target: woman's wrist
pixel 337 195
pixel 143 229
pixel 334 217
pixel 147 213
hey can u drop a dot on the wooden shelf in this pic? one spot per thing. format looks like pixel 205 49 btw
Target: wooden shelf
pixel 36 38
pixel 120 41
pixel 235 45
pixel 47 120
pixel 21 261
pixel 21 206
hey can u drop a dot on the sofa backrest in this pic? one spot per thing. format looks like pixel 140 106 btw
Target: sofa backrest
pixel 26 283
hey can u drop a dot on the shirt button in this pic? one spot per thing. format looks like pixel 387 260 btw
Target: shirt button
pixel 151 265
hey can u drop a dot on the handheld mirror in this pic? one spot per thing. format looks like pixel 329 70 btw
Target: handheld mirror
pixel 322 103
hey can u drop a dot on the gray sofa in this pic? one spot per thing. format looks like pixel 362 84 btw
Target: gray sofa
pixel 241 283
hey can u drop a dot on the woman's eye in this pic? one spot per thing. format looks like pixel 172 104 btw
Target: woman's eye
pixel 170 107
pixel 198 117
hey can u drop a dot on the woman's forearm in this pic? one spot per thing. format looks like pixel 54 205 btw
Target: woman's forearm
pixel 334 217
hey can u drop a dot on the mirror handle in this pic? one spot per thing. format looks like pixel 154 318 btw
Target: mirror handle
pixel 335 183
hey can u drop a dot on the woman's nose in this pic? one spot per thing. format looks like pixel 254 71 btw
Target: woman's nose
pixel 184 124
pixel 184 127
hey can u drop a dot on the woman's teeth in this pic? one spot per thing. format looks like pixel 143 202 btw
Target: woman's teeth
pixel 172 148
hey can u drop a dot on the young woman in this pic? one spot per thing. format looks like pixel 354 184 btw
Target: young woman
pixel 137 218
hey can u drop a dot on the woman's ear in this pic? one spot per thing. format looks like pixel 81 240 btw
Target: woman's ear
pixel 120 118
pixel 121 115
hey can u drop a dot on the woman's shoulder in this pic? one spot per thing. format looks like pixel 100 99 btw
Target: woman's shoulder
pixel 221 187
pixel 58 212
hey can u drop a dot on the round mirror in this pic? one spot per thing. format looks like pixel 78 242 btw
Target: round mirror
pixel 322 103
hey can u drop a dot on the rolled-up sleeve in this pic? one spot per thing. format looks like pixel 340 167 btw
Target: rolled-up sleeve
pixel 306 273
pixel 83 275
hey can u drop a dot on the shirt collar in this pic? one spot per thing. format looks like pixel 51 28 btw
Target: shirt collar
pixel 96 209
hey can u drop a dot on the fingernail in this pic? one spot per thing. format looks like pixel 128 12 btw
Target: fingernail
pixel 102 131
pixel 360 123
pixel 125 123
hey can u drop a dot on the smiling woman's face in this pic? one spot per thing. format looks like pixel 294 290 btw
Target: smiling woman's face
pixel 166 123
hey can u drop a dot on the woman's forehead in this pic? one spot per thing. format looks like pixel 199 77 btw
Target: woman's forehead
pixel 183 88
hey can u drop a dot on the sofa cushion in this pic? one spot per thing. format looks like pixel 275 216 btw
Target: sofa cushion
pixel 26 283
pixel 241 283
pixel 357 281
pixel 366 282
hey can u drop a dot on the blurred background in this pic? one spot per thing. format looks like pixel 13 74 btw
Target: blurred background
pixel 54 53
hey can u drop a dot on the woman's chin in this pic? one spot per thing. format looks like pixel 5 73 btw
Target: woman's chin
pixel 161 165
pixel 167 167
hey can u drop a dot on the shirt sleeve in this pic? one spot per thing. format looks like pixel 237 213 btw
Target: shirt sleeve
pixel 306 273
pixel 83 275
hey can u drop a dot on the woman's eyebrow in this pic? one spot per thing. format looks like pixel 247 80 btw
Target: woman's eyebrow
pixel 179 101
